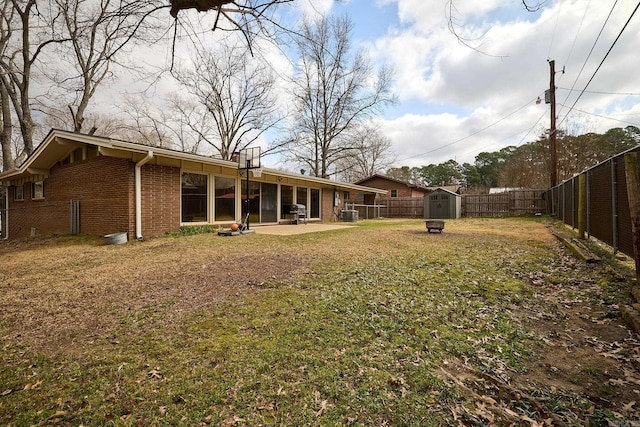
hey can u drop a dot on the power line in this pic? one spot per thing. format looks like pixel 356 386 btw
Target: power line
pixel 468 136
pixel 601 92
pixel 605 117
pixel 555 29
pixel 595 42
pixel 602 62
pixel 575 39
pixel 478 149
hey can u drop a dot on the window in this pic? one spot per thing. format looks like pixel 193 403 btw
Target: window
pixel 225 199
pixel 268 202
pixel 301 196
pixel 315 203
pixel 253 200
pixel 194 197
pixel 286 199
pixel 18 192
pixel 37 190
pixel 394 193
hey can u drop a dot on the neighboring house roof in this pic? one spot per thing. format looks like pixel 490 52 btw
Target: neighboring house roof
pixel 397 181
pixel 60 143
pixel 498 190
pixel 377 177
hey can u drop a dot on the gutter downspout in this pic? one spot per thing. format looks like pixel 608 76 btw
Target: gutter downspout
pixel 138 190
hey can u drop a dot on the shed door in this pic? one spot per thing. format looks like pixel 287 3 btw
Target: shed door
pixel 439 206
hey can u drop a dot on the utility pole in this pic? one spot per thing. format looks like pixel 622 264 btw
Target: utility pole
pixel 552 134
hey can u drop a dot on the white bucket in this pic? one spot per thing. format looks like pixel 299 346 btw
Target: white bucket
pixel 116 238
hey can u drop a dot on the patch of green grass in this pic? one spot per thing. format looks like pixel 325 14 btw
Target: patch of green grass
pixel 357 340
pixel 190 230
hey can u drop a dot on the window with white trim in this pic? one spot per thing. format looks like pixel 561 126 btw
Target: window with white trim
pixel 195 199
pixel 18 192
pixel 37 190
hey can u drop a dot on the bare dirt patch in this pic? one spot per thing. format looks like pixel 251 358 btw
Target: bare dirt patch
pixel 58 294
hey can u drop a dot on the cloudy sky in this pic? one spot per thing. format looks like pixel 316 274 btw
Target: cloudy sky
pixel 456 101
pixel 477 91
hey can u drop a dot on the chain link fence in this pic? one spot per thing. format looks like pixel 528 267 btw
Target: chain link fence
pixel 608 216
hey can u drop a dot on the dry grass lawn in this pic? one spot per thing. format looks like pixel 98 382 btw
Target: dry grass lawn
pixel 490 322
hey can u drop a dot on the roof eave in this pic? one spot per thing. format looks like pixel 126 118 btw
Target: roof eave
pixel 68 137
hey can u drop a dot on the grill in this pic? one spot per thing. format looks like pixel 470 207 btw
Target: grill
pixel 297 213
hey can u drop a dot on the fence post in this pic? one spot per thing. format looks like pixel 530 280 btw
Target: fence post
pixel 633 193
pixel 588 202
pixel 582 205
pixel 614 207
pixel 564 203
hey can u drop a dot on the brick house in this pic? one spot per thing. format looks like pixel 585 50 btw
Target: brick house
pixel 77 183
pixel 392 188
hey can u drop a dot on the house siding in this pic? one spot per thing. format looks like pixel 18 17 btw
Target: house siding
pixel 98 183
pixel 105 188
pixel 327 211
pixel 160 200
pixel 403 189
pixel 102 188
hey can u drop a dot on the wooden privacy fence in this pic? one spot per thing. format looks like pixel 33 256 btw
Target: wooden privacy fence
pixel 511 203
pixel 403 207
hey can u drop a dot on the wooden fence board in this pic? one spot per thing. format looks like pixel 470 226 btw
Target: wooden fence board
pixel 512 203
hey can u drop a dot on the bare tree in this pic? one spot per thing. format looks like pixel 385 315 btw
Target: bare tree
pixel 250 17
pixel 7 130
pixel 97 33
pixel 370 154
pixel 234 92
pixel 456 27
pixel 26 30
pixel 190 124
pixel 335 91
pixel 145 122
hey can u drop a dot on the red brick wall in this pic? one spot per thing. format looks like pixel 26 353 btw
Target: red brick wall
pixel 104 187
pixel 378 182
pixel 160 200
pixel 44 216
pixel 404 192
pixel 327 213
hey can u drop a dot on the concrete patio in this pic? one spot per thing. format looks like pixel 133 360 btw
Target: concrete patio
pixel 291 229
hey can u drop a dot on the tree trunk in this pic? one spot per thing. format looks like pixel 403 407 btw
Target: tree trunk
pixel 199 5
pixel 5 136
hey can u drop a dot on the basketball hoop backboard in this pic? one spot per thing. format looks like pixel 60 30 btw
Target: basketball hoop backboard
pixel 249 158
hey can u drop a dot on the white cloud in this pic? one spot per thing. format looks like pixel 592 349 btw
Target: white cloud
pixel 315 7
pixel 450 93
pixel 462 91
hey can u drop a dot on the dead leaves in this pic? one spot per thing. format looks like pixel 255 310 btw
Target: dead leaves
pixel 504 406
pixel 155 374
pixel 33 386
pixel 321 404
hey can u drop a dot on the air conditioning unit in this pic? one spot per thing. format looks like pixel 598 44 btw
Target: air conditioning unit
pixel 350 215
